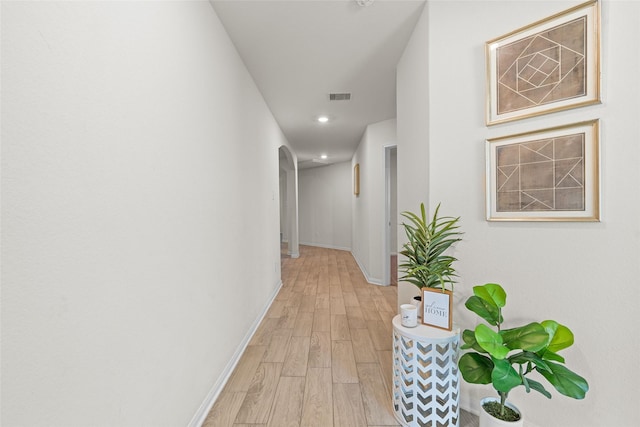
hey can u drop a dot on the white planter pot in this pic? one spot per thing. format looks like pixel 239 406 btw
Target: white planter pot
pixel 417 301
pixel 487 420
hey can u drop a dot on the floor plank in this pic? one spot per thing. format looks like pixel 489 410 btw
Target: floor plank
pixel 363 347
pixel 320 350
pixel 304 322
pixel 243 374
pixel 257 403
pixel 318 404
pixel 287 404
pixel 340 327
pixel 225 409
pixel 277 349
pixel 377 402
pixel 343 362
pixel 295 363
pixel 348 410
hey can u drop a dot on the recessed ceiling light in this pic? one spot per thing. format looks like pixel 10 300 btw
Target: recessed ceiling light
pixel 323 156
pixel 323 119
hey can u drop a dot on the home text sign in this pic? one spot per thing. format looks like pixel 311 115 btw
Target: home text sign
pixel 437 307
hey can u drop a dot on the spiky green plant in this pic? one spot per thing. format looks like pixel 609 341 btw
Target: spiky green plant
pixel 425 263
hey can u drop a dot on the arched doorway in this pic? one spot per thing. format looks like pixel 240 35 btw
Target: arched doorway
pixel 288 180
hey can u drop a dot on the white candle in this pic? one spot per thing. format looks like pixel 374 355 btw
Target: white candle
pixel 409 315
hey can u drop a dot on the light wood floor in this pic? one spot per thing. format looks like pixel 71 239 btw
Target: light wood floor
pixel 322 355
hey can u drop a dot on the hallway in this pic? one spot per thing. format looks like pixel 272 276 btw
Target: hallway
pixel 322 355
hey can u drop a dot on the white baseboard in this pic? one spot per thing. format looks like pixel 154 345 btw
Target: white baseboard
pixel 204 409
pixel 321 245
pixel 365 274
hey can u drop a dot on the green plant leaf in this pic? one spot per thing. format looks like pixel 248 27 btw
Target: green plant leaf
pixel 484 309
pixel 531 337
pixel 424 263
pixel 469 338
pixel 565 381
pixel 504 377
pixel 475 368
pixel 492 293
pixel 535 385
pixel 560 337
pixel 490 341
pixel 550 355
pixel 529 357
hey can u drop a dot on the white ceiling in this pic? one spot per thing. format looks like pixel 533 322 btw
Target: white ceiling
pixel 299 51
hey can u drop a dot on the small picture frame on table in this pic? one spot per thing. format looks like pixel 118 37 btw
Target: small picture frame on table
pixel 437 307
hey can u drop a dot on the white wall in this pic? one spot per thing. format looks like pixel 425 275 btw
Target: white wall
pixel 369 207
pixel 412 94
pixel 582 274
pixel 139 174
pixel 325 206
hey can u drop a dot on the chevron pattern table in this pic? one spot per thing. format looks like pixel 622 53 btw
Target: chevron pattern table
pixel 426 381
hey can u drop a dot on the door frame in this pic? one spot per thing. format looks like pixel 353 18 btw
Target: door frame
pixel 386 250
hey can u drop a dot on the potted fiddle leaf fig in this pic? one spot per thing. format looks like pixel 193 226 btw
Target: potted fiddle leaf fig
pixel 505 358
pixel 425 263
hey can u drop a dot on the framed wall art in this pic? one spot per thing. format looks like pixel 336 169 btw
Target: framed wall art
pixel 356 179
pixel 546 175
pixel 550 65
pixel 437 308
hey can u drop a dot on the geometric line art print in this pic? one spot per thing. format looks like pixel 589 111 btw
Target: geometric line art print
pixel 546 67
pixel 542 175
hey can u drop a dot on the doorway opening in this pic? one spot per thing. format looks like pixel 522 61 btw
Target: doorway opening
pixel 390 270
pixel 288 204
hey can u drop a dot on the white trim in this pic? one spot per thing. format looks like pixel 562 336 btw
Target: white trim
pixel 320 245
pixel 365 274
pixel 386 227
pixel 204 409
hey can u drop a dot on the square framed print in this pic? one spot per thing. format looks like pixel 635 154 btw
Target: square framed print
pixel 548 66
pixel 546 175
pixel 437 306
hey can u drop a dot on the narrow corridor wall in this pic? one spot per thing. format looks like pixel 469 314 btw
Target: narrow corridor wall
pixel 369 207
pixel 139 182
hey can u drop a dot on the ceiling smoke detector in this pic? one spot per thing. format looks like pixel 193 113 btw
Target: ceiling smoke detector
pixel 339 97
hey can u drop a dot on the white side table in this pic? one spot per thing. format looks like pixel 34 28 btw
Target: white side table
pixel 426 381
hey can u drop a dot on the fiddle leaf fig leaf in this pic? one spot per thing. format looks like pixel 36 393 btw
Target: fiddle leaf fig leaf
pixel 491 341
pixel 469 338
pixel 529 357
pixel 475 368
pixel 550 355
pixel 531 337
pixel 504 377
pixel 565 381
pixel 560 337
pixel 488 311
pixel 535 385
pixel 492 293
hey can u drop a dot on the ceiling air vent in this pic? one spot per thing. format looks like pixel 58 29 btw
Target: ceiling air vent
pixel 339 96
